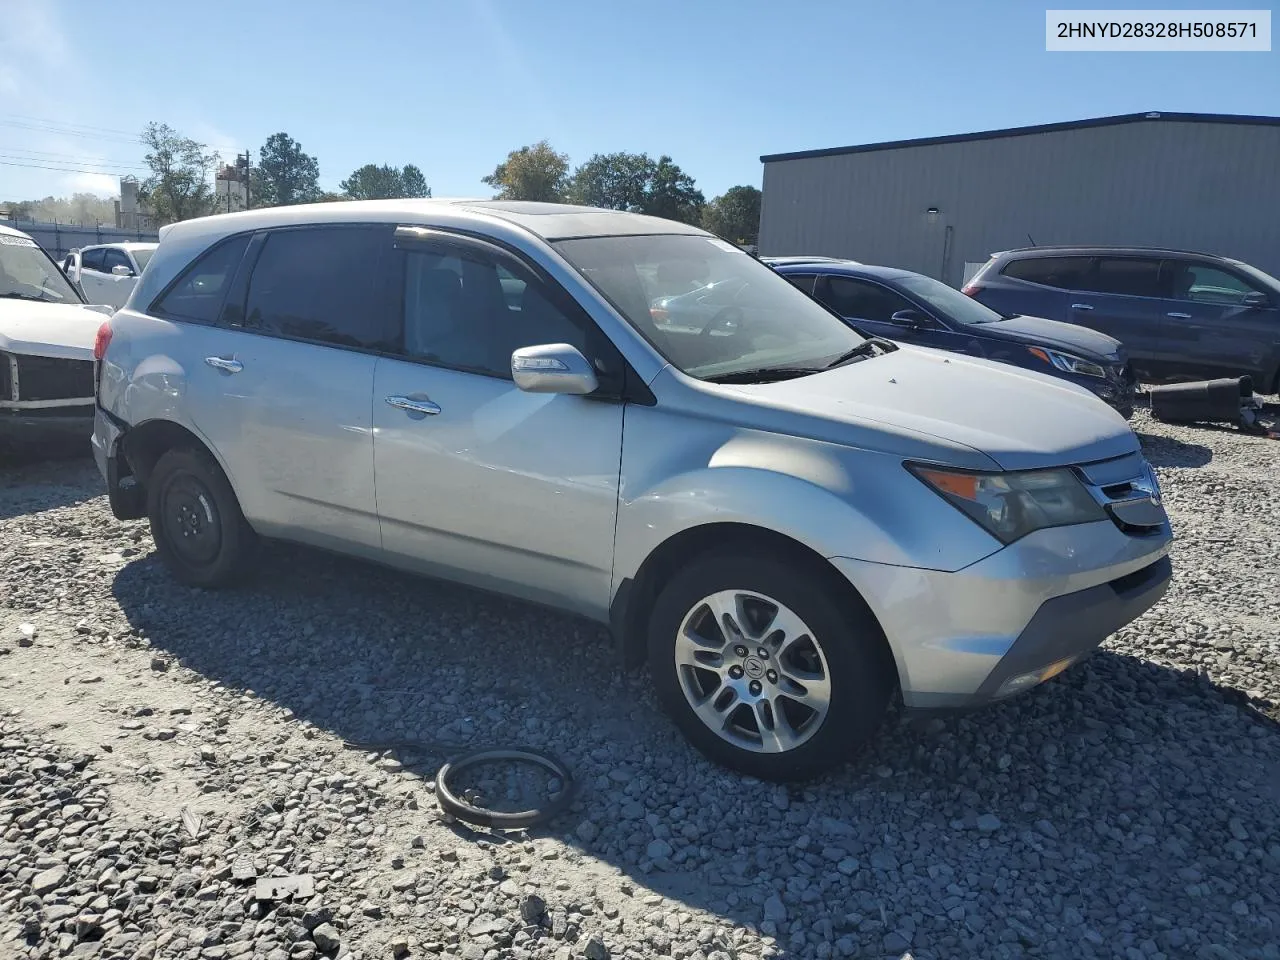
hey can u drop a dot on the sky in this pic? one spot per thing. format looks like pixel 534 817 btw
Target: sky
pixel 453 85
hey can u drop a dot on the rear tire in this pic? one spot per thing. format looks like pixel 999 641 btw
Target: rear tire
pixel 814 684
pixel 196 522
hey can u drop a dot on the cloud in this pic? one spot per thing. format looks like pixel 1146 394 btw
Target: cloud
pixel 102 184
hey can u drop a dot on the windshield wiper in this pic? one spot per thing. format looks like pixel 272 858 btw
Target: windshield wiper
pixel 22 296
pixel 871 347
pixel 764 375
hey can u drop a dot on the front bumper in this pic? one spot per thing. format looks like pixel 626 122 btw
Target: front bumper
pixel 966 638
pixel 1118 389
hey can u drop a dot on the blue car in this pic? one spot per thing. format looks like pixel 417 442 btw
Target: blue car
pixel 911 308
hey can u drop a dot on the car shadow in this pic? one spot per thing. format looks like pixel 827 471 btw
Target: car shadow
pixel 1162 451
pixel 1056 796
pixel 38 477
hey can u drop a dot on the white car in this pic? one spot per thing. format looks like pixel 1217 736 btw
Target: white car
pixel 46 344
pixel 107 273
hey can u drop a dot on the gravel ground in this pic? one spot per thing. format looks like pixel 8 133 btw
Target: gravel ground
pixel 159 747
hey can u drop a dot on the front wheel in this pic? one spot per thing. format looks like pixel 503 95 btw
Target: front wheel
pixel 765 668
pixel 196 522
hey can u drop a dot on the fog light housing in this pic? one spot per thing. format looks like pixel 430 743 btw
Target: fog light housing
pixel 1025 681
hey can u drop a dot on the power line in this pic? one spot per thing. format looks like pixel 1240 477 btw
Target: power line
pixel 80 134
pixel 37 166
pixel 63 123
pixel 50 157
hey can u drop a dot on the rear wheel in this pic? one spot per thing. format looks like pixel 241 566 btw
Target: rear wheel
pixel 765 668
pixel 196 522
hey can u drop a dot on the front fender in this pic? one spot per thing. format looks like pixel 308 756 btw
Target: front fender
pixel 835 500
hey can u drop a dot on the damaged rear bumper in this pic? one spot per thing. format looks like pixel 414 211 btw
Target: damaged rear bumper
pixel 126 496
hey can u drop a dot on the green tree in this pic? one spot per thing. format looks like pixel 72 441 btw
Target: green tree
pixel 413 183
pixel 373 182
pixel 615 181
pixel 531 173
pixel 673 194
pixel 179 187
pixel 734 215
pixel 284 174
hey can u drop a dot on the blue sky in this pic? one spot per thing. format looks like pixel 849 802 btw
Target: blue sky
pixel 452 86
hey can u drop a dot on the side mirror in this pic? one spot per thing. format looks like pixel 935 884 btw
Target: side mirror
pixel 1256 299
pixel 73 268
pixel 553 368
pixel 912 319
pixel 120 270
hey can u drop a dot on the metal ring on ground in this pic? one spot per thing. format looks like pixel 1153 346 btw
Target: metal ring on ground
pixel 450 803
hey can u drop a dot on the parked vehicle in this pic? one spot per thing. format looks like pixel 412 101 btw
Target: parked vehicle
pixel 1182 316
pixel 107 273
pixel 46 345
pixel 789 520
pixel 912 308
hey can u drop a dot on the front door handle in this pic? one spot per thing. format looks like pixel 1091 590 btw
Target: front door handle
pixel 1179 316
pixel 1081 306
pixel 414 406
pixel 222 363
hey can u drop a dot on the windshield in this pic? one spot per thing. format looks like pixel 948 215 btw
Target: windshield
pixel 948 301
pixel 709 308
pixel 1253 273
pixel 27 273
pixel 142 255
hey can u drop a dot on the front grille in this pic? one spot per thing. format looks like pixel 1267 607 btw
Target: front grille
pixel 1127 490
pixel 48 378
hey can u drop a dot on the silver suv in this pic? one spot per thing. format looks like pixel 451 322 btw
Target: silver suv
pixel 789 521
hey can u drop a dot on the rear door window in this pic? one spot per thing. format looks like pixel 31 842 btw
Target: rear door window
pixel 1126 276
pixel 197 294
pixel 862 300
pixel 1203 283
pixel 323 284
pixel 1061 273
pixel 803 281
pixel 115 258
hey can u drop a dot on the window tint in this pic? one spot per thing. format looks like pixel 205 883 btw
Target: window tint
pixel 115 258
pixel 802 281
pixel 1203 283
pixel 471 314
pixel 1065 273
pixel 92 259
pixel 861 300
pixel 1131 276
pixel 199 291
pixel 321 283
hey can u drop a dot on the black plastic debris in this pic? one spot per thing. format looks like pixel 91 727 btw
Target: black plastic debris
pixel 1227 400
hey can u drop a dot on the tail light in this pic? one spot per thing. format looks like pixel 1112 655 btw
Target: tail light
pixel 100 344
pixel 102 340
pixel 659 314
pixel 971 289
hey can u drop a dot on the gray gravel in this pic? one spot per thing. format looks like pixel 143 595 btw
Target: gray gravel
pixel 161 747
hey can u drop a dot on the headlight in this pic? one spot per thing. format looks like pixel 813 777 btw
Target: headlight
pixel 1068 363
pixel 1011 505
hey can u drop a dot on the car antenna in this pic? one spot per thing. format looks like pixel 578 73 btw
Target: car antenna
pixel 1032 239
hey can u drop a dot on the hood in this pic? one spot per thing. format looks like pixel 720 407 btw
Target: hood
pixel 1068 337
pixel 65 330
pixel 1019 419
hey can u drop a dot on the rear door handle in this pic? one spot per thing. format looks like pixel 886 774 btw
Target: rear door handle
pixel 414 406
pixel 1179 316
pixel 222 363
pixel 1081 306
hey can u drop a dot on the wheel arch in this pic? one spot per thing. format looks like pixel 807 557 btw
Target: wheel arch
pixel 633 600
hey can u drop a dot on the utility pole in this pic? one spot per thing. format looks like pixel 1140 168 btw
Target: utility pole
pixel 243 163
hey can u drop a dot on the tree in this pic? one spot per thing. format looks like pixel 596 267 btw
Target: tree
pixel 734 215
pixel 673 194
pixel 179 187
pixel 616 181
pixel 531 173
pixel 372 182
pixel 284 174
pixel 413 182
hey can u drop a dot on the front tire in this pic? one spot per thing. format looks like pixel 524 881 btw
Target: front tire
pixel 766 667
pixel 199 530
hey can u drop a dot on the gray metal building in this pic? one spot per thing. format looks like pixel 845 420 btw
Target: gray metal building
pixel 941 206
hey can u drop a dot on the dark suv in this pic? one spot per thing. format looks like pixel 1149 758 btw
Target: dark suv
pixel 1180 315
